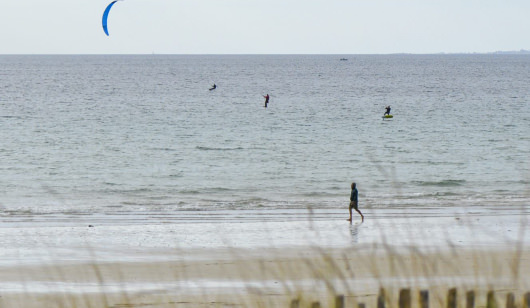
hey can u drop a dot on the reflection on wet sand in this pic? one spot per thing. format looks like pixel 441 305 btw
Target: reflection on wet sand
pixel 354 231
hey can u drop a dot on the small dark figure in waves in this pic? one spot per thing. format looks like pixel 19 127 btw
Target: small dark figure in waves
pixel 266 100
pixel 387 110
pixel 213 87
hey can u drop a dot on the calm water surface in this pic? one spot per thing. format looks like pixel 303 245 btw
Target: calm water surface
pixel 110 134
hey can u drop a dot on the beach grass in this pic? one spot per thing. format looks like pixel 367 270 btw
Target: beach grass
pixel 276 277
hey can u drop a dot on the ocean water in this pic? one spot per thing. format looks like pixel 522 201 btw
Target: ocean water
pixel 143 134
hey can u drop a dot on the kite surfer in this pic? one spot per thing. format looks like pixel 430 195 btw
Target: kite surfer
pixel 213 87
pixel 387 110
pixel 266 100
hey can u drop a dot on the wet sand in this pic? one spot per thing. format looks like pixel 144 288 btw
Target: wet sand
pixel 244 262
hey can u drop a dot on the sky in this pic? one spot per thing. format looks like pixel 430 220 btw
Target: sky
pixel 264 26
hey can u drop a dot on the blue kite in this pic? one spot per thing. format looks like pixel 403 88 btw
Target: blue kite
pixel 106 15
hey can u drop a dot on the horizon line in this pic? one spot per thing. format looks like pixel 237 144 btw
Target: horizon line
pixel 500 52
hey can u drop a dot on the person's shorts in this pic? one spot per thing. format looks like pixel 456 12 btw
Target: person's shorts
pixel 353 205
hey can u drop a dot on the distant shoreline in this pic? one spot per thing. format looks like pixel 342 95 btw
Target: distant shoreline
pixel 499 52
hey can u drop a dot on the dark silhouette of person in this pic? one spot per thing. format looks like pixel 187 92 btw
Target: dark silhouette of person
pixel 387 110
pixel 266 100
pixel 213 87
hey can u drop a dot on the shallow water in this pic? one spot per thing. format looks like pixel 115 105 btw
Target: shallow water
pixel 85 135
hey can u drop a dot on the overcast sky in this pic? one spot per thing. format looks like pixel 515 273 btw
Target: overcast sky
pixel 264 26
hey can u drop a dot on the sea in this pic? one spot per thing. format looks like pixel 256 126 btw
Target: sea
pixel 143 136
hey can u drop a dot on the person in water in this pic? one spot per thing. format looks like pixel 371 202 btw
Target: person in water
pixel 354 201
pixel 387 110
pixel 213 87
pixel 266 100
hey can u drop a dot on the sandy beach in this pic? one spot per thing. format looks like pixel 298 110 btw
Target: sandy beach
pixel 236 261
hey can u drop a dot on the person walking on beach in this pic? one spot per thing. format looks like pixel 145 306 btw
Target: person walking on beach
pixel 266 100
pixel 354 201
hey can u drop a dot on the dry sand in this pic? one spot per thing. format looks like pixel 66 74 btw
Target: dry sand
pixel 270 278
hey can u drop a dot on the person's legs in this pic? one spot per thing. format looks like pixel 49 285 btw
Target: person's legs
pixel 355 205
pixel 362 217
